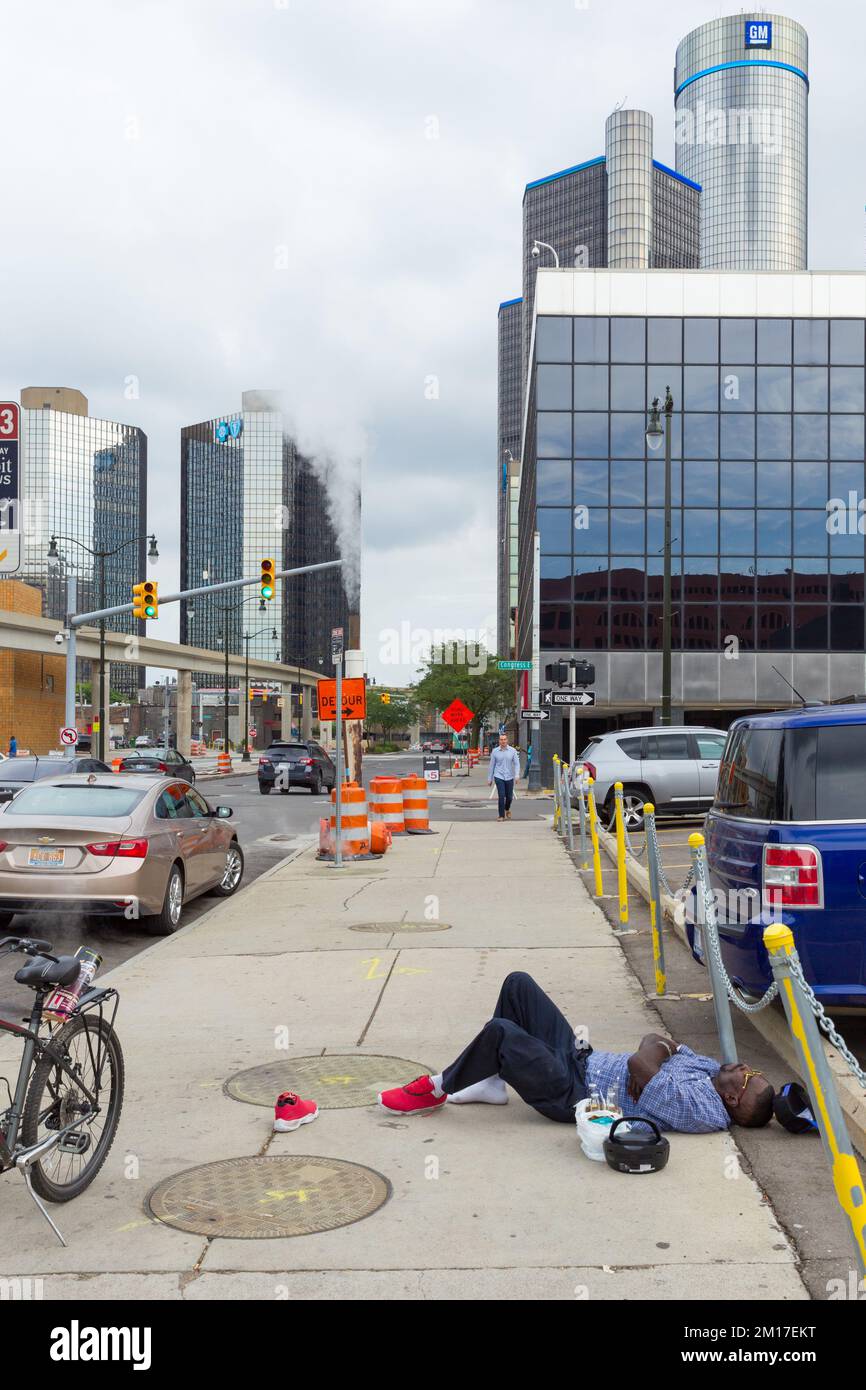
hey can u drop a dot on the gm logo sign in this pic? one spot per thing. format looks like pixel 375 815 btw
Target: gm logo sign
pixel 228 429
pixel 759 33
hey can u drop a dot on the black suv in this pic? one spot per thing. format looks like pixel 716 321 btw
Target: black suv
pixel 287 765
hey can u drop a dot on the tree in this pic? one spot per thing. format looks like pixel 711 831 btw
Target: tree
pixel 398 713
pixel 479 684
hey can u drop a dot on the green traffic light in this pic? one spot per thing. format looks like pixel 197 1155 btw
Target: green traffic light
pixel 267 591
pixel 149 611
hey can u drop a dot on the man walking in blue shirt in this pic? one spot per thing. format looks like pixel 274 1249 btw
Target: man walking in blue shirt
pixel 504 767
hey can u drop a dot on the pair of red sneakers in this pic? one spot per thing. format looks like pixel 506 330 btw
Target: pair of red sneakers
pixel 290 1111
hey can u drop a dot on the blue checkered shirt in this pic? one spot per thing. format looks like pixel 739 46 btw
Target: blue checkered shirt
pixel 680 1096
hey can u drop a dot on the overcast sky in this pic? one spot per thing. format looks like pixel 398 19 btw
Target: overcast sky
pixel 325 196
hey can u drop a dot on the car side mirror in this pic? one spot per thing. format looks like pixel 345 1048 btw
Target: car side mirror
pixel 223 812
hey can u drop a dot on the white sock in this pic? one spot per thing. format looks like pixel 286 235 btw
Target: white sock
pixel 437 1085
pixel 490 1091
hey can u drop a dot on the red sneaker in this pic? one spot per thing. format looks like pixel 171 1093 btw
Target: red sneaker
pixel 290 1112
pixel 412 1099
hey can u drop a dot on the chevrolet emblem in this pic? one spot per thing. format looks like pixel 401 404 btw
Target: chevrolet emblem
pixel 46 840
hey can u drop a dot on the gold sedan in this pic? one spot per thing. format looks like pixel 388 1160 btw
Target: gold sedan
pixel 108 845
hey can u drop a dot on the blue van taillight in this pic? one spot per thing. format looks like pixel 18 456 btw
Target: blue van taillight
pixel 792 876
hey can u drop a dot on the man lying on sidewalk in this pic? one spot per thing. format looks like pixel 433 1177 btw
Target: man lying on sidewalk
pixel 531 1045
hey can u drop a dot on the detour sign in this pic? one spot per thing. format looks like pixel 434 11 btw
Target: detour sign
pixel 354 698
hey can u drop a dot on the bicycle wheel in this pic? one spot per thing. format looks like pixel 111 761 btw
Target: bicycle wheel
pixel 92 1049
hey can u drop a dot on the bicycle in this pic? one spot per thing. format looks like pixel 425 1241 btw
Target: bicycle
pixel 71 1076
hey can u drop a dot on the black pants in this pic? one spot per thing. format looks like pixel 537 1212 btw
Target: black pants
pixel 530 1044
pixel 506 793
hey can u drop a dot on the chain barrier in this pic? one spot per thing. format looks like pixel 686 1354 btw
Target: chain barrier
pixel 657 852
pixel 823 1020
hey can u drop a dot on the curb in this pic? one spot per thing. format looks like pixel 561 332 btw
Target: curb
pixel 772 1026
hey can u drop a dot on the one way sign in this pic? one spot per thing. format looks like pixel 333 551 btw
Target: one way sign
pixel 573 697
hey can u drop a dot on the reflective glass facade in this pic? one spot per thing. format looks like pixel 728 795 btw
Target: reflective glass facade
pixel 508 435
pixel 248 494
pixel 85 479
pixel 742 134
pixel 768 453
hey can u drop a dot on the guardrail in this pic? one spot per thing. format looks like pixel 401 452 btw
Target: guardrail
pixel 806 1017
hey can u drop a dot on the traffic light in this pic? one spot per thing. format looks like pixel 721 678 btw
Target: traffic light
pixel 145 599
pixel 385 697
pixel 267 581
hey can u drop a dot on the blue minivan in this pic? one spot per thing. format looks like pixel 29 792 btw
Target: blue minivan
pixel 787 834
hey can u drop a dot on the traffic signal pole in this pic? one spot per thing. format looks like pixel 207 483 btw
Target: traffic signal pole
pixel 76 620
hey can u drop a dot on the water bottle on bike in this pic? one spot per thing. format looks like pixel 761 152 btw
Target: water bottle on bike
pixel 60 1005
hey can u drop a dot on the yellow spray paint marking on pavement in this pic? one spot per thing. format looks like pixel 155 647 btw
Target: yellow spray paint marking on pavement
pixel 134 1225
pixel 337 1080
pixel 277 1196
pixel 374 962
pixel 410 970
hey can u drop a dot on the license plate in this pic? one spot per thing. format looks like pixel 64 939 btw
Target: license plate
pixel 46 858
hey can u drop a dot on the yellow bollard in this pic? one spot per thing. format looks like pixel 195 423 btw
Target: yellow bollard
pixel 649 812
pixel 593 831
pixel 844 1168
pixel 557 792
pixel 622 878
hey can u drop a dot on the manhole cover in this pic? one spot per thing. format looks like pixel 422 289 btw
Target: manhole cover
pixel 400 926
pixel 252 1198
pixel 335 1082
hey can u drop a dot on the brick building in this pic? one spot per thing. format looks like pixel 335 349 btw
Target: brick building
pixel 32 685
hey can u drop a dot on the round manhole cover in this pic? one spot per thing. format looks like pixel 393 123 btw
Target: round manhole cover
pixel 400 926
pixel 254 1198
pixel 335 1082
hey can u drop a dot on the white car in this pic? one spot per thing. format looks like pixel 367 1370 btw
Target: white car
pixel 675 767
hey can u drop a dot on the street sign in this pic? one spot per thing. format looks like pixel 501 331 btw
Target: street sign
pixel 544 697
pixel 68 737
pixel 573 697
pixel 535 714
pixel 354 698
pixel 457 715
pixel 431 767
pixel 336 644
pixel 10 488
pixel 515 665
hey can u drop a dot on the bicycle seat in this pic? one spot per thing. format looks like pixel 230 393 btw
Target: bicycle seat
pixel 39 971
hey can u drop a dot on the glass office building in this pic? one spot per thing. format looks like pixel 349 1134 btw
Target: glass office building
pixel 248 494
pixel 622 208
pixel 85 480
pixel 510 330
pixel 741 89
pixel 767 378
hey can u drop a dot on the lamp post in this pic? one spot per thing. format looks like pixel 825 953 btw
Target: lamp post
pixel 248 636
pixel 102 556
pixel 654 436
pixel 536 250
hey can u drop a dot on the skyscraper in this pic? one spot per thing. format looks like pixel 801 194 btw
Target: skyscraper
pixel 247 493
pixel 85 480
pixel 620 209
pixel 741 92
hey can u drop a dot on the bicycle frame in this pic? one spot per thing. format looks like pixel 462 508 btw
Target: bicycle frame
pixel 36 1047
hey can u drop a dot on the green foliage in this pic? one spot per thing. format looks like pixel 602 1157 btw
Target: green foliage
pixel 398 714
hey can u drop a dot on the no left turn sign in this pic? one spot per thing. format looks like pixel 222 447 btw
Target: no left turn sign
pixel 69 737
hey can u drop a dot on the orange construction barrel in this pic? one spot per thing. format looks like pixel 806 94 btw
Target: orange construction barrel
pixel 116 764
pixel 353 819
pixel 380 837
pixel 416 810
pixel 386 803
pixel 224 762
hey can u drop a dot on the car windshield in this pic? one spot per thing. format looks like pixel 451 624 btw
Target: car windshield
pixel 51 799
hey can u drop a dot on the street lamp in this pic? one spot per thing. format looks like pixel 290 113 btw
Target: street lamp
pixel 102 556
pixel 536 250
pixel 655 434
pixel 248 636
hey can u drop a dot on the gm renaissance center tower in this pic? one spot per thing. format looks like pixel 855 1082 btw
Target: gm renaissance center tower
pixel 741 89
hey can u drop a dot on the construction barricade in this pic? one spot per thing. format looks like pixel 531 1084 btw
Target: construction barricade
pixel 224 762
pixel 386 803
pixel 416 806
pixel 354 825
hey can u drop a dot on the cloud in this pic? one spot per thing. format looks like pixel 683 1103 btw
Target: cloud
pixel 325 196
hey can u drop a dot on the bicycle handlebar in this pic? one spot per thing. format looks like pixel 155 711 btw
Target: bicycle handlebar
pixel 27 945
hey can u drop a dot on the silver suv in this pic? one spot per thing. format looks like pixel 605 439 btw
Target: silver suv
pixel 674 766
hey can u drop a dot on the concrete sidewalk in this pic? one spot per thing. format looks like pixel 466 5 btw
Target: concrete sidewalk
pixel 514 1211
